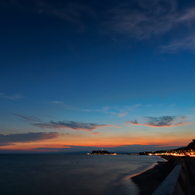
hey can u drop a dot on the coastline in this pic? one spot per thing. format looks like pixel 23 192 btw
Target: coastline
pixel 150 179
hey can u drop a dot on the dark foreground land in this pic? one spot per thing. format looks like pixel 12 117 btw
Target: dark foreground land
pixel 149 180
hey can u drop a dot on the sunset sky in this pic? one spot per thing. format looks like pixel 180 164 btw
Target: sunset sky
pixel 82 75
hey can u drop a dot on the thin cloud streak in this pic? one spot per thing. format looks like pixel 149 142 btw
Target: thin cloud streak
pixel 71 125
pixel 31 118
pixel 65 124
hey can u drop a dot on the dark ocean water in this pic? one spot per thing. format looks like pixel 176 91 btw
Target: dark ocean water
pixel 59 174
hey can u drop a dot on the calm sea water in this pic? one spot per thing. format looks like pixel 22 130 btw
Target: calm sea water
pixel 59 174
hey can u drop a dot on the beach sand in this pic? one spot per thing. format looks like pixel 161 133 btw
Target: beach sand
pixel 149 180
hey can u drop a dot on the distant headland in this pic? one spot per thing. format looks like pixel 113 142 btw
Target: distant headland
pixel 188 150
pixel 101 152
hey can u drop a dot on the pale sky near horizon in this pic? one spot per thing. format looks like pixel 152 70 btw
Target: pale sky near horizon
pixel 82 75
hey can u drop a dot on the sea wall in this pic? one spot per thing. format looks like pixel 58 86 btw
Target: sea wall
pixel 177 182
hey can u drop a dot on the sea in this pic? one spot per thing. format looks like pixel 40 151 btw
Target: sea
pixel 62 174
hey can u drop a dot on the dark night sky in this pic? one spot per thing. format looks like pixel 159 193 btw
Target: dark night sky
pixel 82 74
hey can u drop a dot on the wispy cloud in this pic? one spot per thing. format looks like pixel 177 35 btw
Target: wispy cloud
pixel 64 124
pixel 71 125
pixel 118 111
pixel 143 18
pixel 146 19
pixel 140 19
pixel 26 137
pixel 122 113
pixel 164 121
pixel 184 43
pixel 11 97
pixel 57 102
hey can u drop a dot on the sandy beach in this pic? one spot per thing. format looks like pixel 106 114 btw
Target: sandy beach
pixel 149 180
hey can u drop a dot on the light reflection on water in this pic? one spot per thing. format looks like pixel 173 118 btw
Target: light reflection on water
pixel 70 174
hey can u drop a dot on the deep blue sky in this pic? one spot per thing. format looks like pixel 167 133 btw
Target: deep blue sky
pixel 96 73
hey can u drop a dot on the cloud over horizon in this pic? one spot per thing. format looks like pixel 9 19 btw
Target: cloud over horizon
pixel 164 121
pixel 26 137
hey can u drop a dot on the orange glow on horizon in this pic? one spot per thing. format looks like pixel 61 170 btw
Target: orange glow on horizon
pixel 106 139
pixel 109 144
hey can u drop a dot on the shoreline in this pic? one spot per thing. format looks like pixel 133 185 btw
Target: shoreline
pixel 150 179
